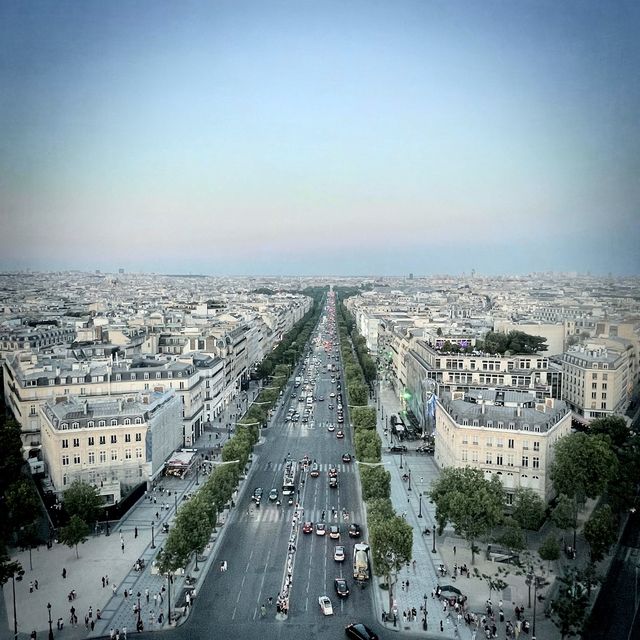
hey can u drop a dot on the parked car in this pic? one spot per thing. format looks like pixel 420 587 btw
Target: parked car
pixel 398 448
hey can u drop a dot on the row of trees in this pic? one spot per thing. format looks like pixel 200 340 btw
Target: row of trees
pixel 390 537
pixel 514 342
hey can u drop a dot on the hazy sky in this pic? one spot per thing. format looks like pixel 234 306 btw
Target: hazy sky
pixel 320 137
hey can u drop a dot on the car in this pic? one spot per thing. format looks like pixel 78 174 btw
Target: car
pixel 273 495
pixel 332 395
pixel 333 472
pixel 346 457
pixel 330 406
pixel 334 532
pixel 339 434
pixel 331 427
pixel 340 419
pixel 305 419
pixel 340 585
pixel 398 448
pixel 333 482
pixel 307 526
pixel 325 605
pixel 315 470
pixel 257 494
pixel 320 398
pixel 321 528
pixel 425 448
pixel 359 631
pixel 338 554
pixel 354 530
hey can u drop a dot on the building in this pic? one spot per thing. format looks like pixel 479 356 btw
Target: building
pixel 503 432
pixel 112 443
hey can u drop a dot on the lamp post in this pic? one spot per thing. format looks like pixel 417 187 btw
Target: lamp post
pixel 401 459
pixel 409 480
pixel 139 618
pixel 107 516
pixel 198 473
pixel 434 539
pixel 153 539
pixel 50 627
pixel 420 504
pixel 424 617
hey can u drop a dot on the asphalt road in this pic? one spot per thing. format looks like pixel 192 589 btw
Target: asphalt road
pixel 256 541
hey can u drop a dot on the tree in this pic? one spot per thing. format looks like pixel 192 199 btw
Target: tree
pixel 23 503
pixel 363 417
pixel 358 393
pixel 11 460
pixel 564 513
pixel 549 550
pixel 471 503
pixel 512 537
pixel 8 567
pixel 368 446
pixel 583 466
pixel 376 482
pixel 600 531
pixel 82 500
pixel 494 582
pixel 528 508
pixel 570 606
pixel 613 428
pixel 391 548
pixel 75 533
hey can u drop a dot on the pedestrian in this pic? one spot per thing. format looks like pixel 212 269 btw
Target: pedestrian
pixel 454 550
pixel 146 594
pixel 90 612
pixel 122 547
pixel 407 585
pixel 98 615
pixel 114 589
pixel 117 634
pixel 64 573
pixel 86 621
pixel 124 633
pixel 441 627
pixel 103 582
pixel 34 635
pixel 112 633
pixel 31 586
pixel 414 566
pixel 403 585
pixel 92 624
pixel 126 594
pixel 155 599
pixel 35 584
pixel 404 616
pixel 106 578
pixel 135 532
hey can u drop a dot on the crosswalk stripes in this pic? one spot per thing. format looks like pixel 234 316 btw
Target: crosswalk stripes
pixel 269 513
pixel 324 468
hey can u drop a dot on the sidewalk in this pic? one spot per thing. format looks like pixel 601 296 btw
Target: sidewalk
pixel 451 550
pixel 103 556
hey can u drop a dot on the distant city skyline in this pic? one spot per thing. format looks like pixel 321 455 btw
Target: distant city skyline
pixel 287 138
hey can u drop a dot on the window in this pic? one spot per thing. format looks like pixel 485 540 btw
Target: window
pixel 127 421
pixel 510 460
pixel 463 455
pixel 525 444
pixel 499 459
pixel 65 460
pixel 76 458
pixel 489 442
pixel 76 442
pixel 603 405
pixel 90 423
pixel 127 454
pixel 65 444
pixel 101 423
pixel 139 453
pixel 509 498
pixel 138 420
pixel 103 456
pixel 138 437
pixel 465 439
pixel 32 410
pixel 103 440
pixel 525 461
pixel 114 422
pixel 500 442
pixel 114 439
pixel 488 458
pixel 127 437
pixel 75 425
pixel 535 463
pixel 475 439
pixel 114 455
pixel 536 445
pixel 474 456
pixel 91 441
pixel 65 426
pixel 92 457
pixel 510 443
pixel 594 385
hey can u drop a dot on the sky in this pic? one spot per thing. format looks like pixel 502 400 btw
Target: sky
pixel 303 138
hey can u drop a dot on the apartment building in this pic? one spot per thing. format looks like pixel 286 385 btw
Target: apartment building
pixel 14 339
pixel 597 381
pixel 112 443
pixel 503 432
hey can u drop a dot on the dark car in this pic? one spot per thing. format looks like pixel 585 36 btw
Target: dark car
pixel 398 448
pixel 346 457
pixel 354 530
pixel 333 482
pixel 340 585
pixel 425 448
pixel 359 631
pixel 307 527
pixel 257 494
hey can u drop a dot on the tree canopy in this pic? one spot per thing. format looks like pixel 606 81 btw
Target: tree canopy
pixel 515 342
pixel 528 508
pixel 583 466
pixel 82 500
pixel 600 531
pixel 473 504
pixel 75 533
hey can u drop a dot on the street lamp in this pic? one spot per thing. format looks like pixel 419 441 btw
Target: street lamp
pixel 198 473
pixel 50 627
pixel 409 480
pixel 107 516
pixel 153 540
pixel 139 618
pixel 424 618
pixel 420 505
pixel 434 539
pixel 401 459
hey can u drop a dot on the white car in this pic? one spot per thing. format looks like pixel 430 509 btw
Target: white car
pixel 325 605
pixel 338 554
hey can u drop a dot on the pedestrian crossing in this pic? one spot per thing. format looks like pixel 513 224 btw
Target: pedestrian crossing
pixel 270 513
pixel 324 468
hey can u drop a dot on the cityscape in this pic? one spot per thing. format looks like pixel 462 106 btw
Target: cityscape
pixel 320 320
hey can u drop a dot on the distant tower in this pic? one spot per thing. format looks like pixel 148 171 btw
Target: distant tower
pixel 120 270
pixel 411 276
pixel 473 273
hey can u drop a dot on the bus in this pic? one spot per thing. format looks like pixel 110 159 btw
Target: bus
pixel 289 478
